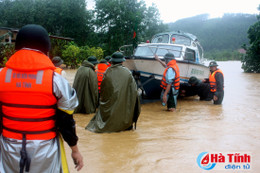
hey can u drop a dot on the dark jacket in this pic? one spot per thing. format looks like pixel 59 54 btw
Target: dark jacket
pixel 119 102
pixel 86 86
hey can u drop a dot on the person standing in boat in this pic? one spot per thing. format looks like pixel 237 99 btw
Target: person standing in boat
pixel 170 81
pixel 216 81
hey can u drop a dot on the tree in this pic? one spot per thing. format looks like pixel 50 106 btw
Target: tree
pixel 251 62
pixel 115 21
pixel 70 54
pixel 152 24
pixel 67 18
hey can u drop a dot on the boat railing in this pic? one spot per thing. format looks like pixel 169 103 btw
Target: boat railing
pixel 129 51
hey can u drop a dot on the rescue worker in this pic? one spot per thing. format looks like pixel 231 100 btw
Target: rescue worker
pixel 108 58
pixel 216 81
pixel 36 103
pixel 170 81
pixel 196 87
pixel 86 85
pixel 101 69
pixel 57 61
pixel 119 102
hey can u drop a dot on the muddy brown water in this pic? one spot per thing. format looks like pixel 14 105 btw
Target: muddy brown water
pixel 171 142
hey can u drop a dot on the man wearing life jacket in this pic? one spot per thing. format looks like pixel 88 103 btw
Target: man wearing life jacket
pixel 57 61
pixel 101 69
pixel 36 104
pixel 216 81
pixel 170 81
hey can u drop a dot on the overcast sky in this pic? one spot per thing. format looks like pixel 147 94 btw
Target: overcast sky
pixel 173 10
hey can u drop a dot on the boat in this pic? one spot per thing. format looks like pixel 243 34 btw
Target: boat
pixel 148 72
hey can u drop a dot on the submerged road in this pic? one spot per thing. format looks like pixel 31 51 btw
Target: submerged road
pixel 171 142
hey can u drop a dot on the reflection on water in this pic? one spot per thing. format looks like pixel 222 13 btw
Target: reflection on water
pixel 171 142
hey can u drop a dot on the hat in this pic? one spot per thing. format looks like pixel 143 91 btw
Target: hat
pixel 213 63
pixel 103 61
pixel 33 36
pixel 108 58
pixel 57 61
pixel 93 60
pixel 169 56
pixel 117 57
pixel 193 80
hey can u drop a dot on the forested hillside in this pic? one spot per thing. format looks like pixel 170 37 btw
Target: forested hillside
pixel 218 36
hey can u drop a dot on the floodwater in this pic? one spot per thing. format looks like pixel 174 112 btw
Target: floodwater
pixel 171 142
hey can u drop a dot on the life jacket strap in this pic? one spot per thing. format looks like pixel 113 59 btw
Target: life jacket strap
pixel 25 160
pixel 29 119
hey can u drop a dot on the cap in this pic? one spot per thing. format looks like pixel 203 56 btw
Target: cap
pixel 103 61
pixel 193 80
pixel 117 57
pixel 213 63
pixel 169 56
pixel 33 36
pixel 93 60
pixel 57 61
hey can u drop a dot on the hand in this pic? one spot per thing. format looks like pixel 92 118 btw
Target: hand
pixel 156 57
pixel 215 98
pixel 164 98
pixel 77 158
pixel 203 81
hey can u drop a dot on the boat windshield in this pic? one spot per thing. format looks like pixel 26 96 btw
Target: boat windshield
pixel 161 39
pixel 179 39
pixel 160 50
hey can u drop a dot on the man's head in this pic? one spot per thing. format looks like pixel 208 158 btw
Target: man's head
pixel 34 37
pixel 57 61
pixel 93 60
pixel 193 81
pixel 168 57
pixel 117 57
pixel 108 58
pixel 103 61
pixel 213 66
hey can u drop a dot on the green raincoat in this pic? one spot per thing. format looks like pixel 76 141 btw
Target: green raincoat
pixel 86 86
pixel 119 102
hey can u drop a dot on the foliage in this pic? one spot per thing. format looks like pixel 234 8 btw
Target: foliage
pixel 6 51
pixel 113 22
pixel 57 45
pixel 117 20
pixel 251 62
pixel 69 55
pixel 226 33
pixel 67 18
pixel 86 51
pixel 74 55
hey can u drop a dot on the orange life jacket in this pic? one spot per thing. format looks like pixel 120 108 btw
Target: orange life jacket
pixel 176 82
pixel 212 80
pixel 58 70
pixel 26 97
pixel 101 68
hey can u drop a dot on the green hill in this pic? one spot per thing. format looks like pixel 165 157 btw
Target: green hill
pixel 217 35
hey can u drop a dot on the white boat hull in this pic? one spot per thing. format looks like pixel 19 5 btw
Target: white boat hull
pixel 151 72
